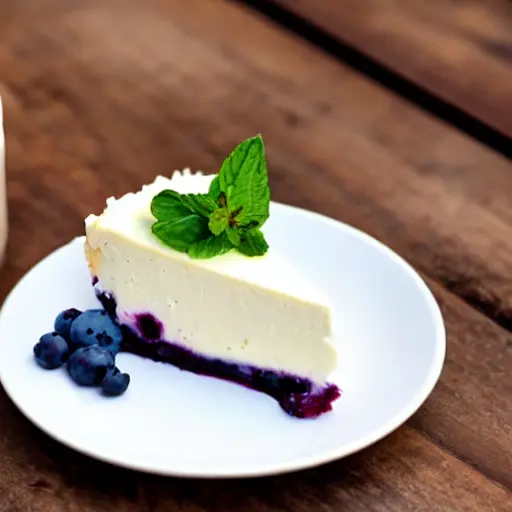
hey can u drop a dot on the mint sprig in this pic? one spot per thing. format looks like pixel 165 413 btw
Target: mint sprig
pixel 228 217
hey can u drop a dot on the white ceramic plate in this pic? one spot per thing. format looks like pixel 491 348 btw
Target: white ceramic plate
pixel 387 326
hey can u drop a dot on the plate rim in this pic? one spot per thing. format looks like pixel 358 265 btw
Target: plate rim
pixel 303 462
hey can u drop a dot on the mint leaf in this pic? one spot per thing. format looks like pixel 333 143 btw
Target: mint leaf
pixel 242 157
pixel 182 233
pixel 201 204
pixel 167 205
pixel 252 243
pixel 243 179
pixel 210 247
pixel 170 205
pixel 232 165
pixel 233 235
pixel 219 221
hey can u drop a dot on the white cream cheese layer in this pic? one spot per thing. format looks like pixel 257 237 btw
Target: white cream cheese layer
pixel 258 311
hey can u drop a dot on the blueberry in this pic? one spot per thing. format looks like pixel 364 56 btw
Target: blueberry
pixel 52 351
pixel 115 383
pixel 95 327
pixel 64 320
pixel 89 365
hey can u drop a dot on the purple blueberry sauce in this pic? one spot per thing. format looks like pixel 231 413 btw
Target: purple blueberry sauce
pixel 150 328
pixel 108 302
pixel 298 397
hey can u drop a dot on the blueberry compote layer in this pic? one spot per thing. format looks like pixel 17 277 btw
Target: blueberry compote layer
pixel 297 396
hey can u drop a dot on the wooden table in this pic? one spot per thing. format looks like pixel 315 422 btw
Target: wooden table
pixel 101 95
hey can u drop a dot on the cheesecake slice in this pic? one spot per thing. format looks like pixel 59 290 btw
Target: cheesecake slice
pixel 256 321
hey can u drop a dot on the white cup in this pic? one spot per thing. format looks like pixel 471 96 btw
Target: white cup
pixel 3 198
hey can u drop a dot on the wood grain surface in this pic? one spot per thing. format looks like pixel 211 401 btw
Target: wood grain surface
pixel 101 95
pixel 460 51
